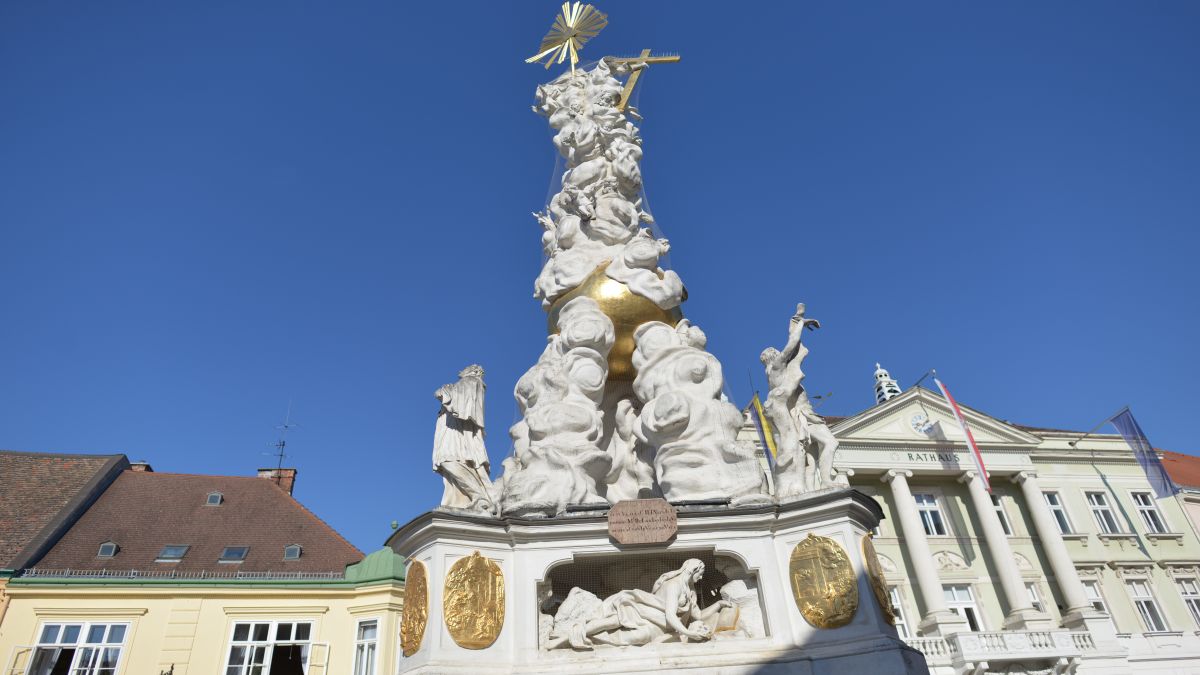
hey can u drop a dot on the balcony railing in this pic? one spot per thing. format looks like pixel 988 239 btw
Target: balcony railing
pixel 967 648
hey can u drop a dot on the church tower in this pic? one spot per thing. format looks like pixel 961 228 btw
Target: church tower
pixel 885 387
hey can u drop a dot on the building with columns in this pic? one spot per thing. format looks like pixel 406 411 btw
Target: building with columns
pixel 1069 564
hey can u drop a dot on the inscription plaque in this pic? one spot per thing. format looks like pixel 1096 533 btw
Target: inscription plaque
pixel 642 521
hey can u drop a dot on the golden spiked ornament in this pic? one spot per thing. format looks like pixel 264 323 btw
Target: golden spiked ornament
pixel 572 28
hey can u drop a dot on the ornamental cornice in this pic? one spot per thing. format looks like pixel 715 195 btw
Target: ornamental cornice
pixel 90 612
pixel 892 446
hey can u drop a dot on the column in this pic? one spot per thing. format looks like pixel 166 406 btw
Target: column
pixel 1020 611
pixel 1056 550
pixel 938 620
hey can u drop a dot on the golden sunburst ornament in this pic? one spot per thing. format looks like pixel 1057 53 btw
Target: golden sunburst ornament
pixel 572 28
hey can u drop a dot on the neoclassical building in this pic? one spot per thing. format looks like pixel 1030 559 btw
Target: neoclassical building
pixel 1069 564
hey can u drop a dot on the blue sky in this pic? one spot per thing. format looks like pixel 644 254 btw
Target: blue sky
pixel 210 209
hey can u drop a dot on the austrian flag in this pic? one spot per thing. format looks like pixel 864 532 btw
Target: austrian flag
pixel 962 422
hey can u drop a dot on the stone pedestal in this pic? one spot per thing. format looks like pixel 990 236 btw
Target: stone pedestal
pixel 539 558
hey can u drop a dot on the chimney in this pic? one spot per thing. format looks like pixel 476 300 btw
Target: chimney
pixel 284 478
pixel 141 466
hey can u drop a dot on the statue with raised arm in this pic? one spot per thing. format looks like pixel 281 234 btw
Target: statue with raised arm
pixel 459 454
pixel 669 612
pixel 806 445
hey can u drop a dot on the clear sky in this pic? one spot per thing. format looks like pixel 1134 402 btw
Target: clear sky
pixel 208 209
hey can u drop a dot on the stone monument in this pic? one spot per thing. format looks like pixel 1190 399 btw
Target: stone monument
pixel 629 530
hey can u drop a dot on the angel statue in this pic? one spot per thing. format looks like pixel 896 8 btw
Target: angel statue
pixel 669 612
pixel 459 454
pixel 806 445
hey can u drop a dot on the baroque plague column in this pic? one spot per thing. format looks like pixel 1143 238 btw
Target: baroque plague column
pixel 629 527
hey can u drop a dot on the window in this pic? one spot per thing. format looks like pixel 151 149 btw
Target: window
pixel 1144 502
pixel 961 601
pixel 1105 520
pixel 1091 589
pixel 234 554
pixel 365 642
pixel 78 649
pixel 107 550
pixel 269 648
pixel 1058 511
pixel 1143 599
pixel 1190 593
pixel 214 499
pixel 898 611
pixel 931 515
pixel 291 552
pixel 1035 597
pixel 1004 525
pixel 171 553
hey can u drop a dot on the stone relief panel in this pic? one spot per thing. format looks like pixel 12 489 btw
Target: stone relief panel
pixel 638 599
pixel 950 561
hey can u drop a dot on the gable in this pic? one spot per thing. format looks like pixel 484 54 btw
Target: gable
pixel 898 421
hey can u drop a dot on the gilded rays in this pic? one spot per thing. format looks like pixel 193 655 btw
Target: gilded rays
pixel 572 28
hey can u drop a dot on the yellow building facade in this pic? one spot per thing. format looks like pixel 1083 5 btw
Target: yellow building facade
pixel 132 626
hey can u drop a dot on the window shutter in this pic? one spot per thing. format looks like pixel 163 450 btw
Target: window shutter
pixel 318 658
pixel 20 663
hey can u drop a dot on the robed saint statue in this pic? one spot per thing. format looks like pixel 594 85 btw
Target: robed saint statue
pixel 459 454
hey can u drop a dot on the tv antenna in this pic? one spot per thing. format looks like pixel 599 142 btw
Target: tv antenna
pixel 281 444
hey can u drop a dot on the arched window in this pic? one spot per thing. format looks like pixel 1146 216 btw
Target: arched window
pixel 291 552
pixel 108 549
pixel 215 499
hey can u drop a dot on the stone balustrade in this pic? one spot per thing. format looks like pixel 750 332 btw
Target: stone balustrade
pixel 965 650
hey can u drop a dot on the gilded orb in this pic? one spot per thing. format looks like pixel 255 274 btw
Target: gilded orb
pixel 626 309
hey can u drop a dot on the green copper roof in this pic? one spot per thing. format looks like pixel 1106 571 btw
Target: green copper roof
pixel 382 565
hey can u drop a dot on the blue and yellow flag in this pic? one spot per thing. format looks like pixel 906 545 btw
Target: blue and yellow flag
pixel 765 433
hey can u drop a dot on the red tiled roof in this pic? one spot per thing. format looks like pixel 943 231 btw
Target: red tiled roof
pixel 40 493
pixel 1183 469
pixel 143 512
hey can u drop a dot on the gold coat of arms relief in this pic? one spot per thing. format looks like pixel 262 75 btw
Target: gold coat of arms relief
pixel 473 601
pixel 823 582
pixel 416 608
pixel 875 576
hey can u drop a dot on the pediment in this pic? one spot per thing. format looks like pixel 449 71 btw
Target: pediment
pixel 896 421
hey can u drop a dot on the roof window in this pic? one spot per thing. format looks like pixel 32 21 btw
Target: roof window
pixel 172 553
pixel 291 552
pixel 234 554
pixel 214 499
pixel 108 549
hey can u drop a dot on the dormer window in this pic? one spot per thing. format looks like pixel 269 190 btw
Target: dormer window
pixel 291 552
pixel 171 553
pixel 215 499
pixel 108 549
pixel 234 554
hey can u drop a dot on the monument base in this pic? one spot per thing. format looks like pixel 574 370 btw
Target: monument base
pixel 762 564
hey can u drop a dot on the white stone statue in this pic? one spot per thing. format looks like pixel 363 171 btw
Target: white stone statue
pixel 669 612
pixel 557 458
pixel 743 618
pixel 632 472
pixel 459 454
pixel 687 420
pixel 597 217
pixel 806 445
pixel 637 268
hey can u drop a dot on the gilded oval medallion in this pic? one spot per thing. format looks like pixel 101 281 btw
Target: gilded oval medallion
pixel 473 601
pixel 416 608
pixel 823 582
pixel 875 576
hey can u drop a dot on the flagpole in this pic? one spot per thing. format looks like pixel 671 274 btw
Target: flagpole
pixel 1097 427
